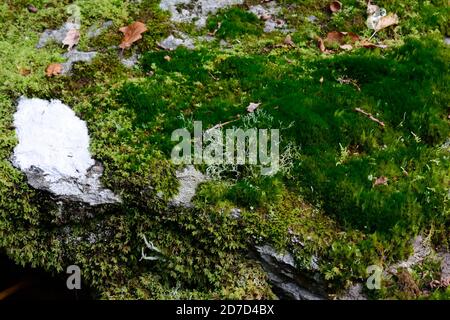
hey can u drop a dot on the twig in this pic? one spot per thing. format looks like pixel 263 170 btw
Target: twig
pixel 370 116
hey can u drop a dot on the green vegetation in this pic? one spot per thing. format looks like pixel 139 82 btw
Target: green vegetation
pixel 324 203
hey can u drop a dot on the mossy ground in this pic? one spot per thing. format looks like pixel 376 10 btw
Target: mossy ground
pixel 324 205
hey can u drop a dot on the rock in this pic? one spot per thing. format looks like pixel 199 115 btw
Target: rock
pixel 447 40
pixel 53 152
pixel 131 61
pixel 95 31
pixel 312 19
pixel 421 250
pixel 355 292
pixel 172 43
pixel 287 281
pixel 74 56
pixel 56 35
pixel 445 267
pixel 189 179
pixel 195 10
pixel 269 13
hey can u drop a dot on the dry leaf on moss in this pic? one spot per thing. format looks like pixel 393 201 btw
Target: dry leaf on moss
pixel 72 38
pixel 53 69
pixel 335 6
pixel 342 37
pixel 386 21
pixel 132 33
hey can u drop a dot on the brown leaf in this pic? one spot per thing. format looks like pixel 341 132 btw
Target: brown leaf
pixel 168 58
pixel 288 41
pixel 132 33
pixel 386 21
pixel 321 45
pixel 346 47
pixel 370 45
pixel 53 69
pixel 341 37
pixel 252 107
pixel 32 9
pixel 72 38
pixel 381 181
pixel 335 6
pixel 24 71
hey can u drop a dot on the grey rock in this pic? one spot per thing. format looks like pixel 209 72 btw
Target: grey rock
pixel 447 40
pixel 53 152
pixel 445 266
pixel 189 179
pixel 74 56
pixel 95 31
pixel 421 250
pixel 270 12
pixel 355 292
pixel 287 281
pixel 312 19
pixel 172 43
pixel 131 61
pixel 57 35
pixel 196 11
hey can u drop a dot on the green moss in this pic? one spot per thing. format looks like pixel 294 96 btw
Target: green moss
pixel 233 23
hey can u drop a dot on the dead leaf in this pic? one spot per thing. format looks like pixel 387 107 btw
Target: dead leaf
pixel 386 21
pixel 321 45
pixel 32 9
pixel 370 45
pixel 72 38
pixel 342 37
pixel 167 58
pixel 288 41
pixel 53 69
pixel 252 107
pixel 24 71
pixel 381 181
pixel 132 33
pixel 346 47
pixel 335 6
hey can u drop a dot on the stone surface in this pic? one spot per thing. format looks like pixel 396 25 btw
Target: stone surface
pixel 56 35
pixel 172 43
pixel 53 152
pixel 196 11
pixel 287 281
pixel 95 31
pixel 131 61
pixel 189 179
pixel 269 12
pixel 421 250
pixel 355 292
pixel 74 56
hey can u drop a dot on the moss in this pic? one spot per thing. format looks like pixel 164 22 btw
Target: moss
pixel 325 206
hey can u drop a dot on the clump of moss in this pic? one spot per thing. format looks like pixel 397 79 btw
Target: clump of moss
pixel 234 22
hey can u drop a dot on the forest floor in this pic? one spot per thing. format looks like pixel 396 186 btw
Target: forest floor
pixel 364 120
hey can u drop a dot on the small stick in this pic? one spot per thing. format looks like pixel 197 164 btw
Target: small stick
pixel 370 116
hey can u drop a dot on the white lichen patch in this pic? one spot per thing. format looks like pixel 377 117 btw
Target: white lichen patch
pixel 196 11
pixel 53 152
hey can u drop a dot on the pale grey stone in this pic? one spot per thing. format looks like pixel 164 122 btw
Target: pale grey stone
pixel 74 56
pixel 189 179
pixel 57 35
pixel 53 152
pixel 196 11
